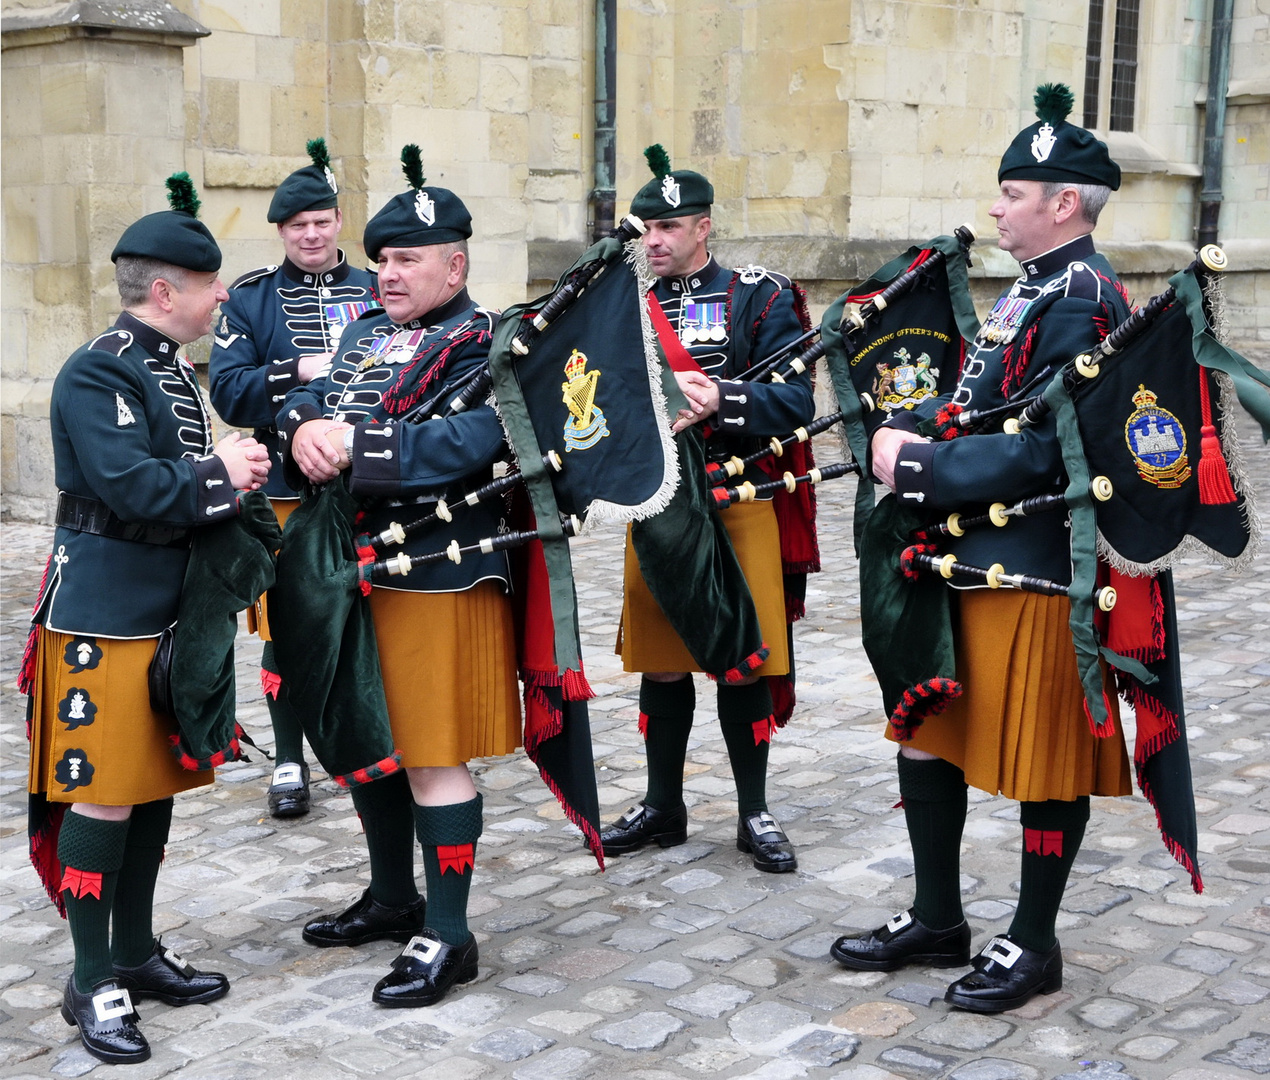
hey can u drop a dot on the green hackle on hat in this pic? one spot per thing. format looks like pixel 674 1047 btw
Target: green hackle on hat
pixel 318 153
pixel 658 160
pixel 412 165
pixel 668 194
pixel 175 236
pixel 1053 102
pixel 1054 150
pixel 182 195
pixel 418 217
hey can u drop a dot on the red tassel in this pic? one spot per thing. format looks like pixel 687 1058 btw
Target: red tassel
pixel 270 683
pixel 81 883
pixel 1215 488
pixel 456 857
pixel 643 724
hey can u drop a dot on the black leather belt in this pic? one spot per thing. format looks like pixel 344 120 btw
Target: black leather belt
pixel 94 516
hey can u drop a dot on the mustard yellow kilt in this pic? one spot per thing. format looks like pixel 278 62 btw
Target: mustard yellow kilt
pixel 94 738
pixel 258 613
pixel 449 669
pixel 647 642
pixel 1020 728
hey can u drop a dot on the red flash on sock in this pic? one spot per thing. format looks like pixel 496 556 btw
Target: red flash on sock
pixel 270 683
pixel 643 724
pixel 1043 842
pixel 456 857
pixel 81 883
pixel 764 729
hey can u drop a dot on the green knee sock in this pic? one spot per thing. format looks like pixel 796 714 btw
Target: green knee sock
pixel 745 715
pixel 132 938
pixel 91 852
pixel 384 806
pixel 666 717
pixel 288 735
pixel 1052 833
pixel 934 794
pixel 448 835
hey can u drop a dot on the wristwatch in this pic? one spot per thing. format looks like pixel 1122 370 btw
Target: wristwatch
pixel 348 442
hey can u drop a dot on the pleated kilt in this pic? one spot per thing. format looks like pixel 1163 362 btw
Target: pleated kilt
pixel 258 613
pixel 1020 728
pixel 449 670
pixel 647 642
pixel 94 738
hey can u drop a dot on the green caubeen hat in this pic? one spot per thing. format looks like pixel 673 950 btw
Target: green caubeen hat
pixel 310 188
pixel 1053 149
pixel 418 217
pixel 671 194
pixel 174 236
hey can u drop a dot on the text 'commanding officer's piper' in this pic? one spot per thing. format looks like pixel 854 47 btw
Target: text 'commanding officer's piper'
pixel 137 474
pixel 279 329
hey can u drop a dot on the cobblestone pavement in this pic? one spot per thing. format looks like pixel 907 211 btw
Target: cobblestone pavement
pixel 686 962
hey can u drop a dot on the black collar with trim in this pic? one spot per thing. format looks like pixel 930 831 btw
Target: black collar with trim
pixel 333 276
pixel 155 342
pixel 1051 262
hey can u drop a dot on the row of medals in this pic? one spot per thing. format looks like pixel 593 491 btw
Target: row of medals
pixel 690 335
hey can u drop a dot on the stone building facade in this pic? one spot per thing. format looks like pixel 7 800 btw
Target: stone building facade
pixel 835 132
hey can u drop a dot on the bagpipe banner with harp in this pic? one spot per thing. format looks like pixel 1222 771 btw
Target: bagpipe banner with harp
pixel 580 377
pixel 896 340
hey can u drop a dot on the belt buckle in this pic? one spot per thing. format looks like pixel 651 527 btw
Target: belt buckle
pixel 111 1003
pixel 1003 951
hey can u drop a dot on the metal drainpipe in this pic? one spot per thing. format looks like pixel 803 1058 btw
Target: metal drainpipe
pixel 603 198
pixel 1215 122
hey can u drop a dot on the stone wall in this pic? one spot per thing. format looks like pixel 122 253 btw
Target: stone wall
pixel 835 132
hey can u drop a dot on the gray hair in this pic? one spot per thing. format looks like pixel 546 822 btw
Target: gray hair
pixel 446 250
pixel 1093 197
pixel 134 275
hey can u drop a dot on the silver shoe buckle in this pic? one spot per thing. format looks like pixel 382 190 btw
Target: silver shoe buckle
pixel 178 963
pixel 423 949
pixel 287 774
pixel 111 1003
pixel 763 824
pixel 1002 951
pixel 632 815
pixel 901 920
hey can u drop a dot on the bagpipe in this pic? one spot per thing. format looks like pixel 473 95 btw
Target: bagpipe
pixel 1143 422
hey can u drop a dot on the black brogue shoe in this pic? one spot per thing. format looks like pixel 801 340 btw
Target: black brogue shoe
pixel 1006 976
pixel 766 842
pixel 171 979
pixel 643 823
pixel 904 940
pixel 107 1022
pixel 366 920
pixel 425 971
pixel 289 790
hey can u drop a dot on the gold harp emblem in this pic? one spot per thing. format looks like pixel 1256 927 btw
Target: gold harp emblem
pixel 586 424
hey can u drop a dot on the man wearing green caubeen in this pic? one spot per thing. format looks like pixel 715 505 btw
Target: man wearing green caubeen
pixel 137 474
pixel 279 328
pixel 1020 727
pixel 714 323
pixel 444 633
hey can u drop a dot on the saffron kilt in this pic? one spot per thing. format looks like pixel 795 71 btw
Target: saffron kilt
pixel 1019 728
pixel 258 613
pixel 448 661
pixel 126 744
pixel 647 642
